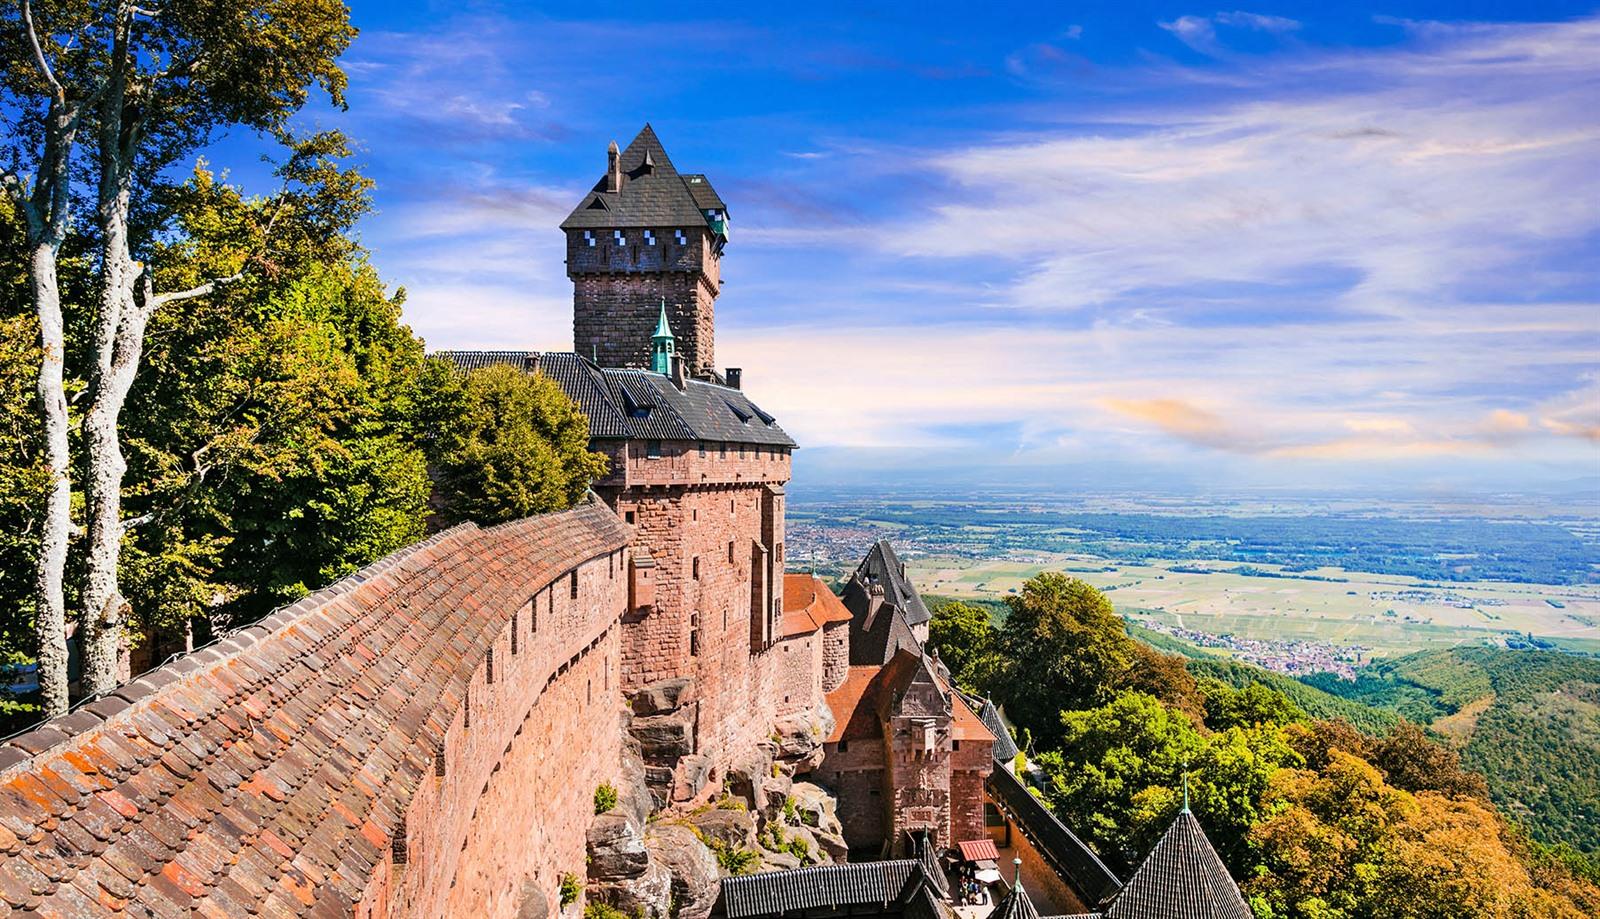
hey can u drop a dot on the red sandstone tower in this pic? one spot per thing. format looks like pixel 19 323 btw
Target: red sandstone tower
pixel 697 469
pixel 645 237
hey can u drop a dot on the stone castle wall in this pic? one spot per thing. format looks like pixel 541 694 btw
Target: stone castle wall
pixel 618 291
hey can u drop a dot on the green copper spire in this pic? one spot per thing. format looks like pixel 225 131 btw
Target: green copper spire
pixel 662 344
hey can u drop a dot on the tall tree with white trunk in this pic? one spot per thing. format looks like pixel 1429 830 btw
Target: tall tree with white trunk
pixel 150 86
pixel 47 118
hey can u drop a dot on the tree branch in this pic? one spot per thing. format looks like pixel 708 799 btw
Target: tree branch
pixel 156 301
pixel 38 54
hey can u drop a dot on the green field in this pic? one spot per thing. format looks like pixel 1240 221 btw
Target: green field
pixel 1388 614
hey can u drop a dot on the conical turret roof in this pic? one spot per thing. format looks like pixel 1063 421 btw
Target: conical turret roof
pixel 1181 878
pixel 663 327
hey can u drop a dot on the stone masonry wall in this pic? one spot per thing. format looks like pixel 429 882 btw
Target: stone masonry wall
pixel 853 771
pixel 796 665
pixel 835 655
pixel 467 832
pixel 618 291
pixel 970 763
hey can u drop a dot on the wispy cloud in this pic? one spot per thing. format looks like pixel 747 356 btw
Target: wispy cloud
pixel 1200 32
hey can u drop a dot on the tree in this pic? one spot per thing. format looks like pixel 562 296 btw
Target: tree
pixel 1117 776
pixel 168 78
pixel 1065 649
pixel 966 639
pixel 281 448
pixel 1253 706
pixel 47 115
pixel 1413 761
pixel 504 444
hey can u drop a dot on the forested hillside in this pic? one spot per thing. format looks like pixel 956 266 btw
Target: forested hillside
pixel 1529 720
pixel 1315 818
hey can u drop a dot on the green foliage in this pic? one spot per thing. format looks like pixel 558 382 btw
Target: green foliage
pixel 967 641
pixel 1536 737
pixel 603 911
pixel 734 860
pixel 1117 777
pixel 605 797
pixel 571 888
pixel 1316 703
pixel 1250 707
pixel 504 444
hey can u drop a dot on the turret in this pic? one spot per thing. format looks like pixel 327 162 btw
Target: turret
pixel 662 344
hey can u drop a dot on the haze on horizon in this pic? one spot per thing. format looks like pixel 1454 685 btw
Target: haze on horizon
pixel 1288 244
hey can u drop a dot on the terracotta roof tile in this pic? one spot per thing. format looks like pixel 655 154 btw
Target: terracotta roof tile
pixel 229 782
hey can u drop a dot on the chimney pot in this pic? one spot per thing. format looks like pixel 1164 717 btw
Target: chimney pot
pixel 734 375
pixel 613 168
pixel 679 376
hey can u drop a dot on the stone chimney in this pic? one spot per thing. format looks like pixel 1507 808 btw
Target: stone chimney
pixel 613 168
pixel 734 374
pixel 680 377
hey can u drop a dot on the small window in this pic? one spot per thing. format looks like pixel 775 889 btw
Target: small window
pixel 702 449
pixel 627 516
pixel 741 451
pixel 513 633
pixel 730 551
pixel 723 450
pixel 573 581
pixel 678 235
pixel 533 615
pixel 649 238
pixel 844 746
pixel 780 553
pixel 694 634
pixel 652 449
pixel 955 745
pixel 695 565
pixel 488 666
pixel 619 237
pixel 588 238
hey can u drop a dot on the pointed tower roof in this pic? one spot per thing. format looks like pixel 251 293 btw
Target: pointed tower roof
pixel 663 327
pixel 1182 878
pixel 1016 904
pixel 653 193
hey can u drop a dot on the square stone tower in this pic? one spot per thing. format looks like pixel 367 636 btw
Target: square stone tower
pixel 644 239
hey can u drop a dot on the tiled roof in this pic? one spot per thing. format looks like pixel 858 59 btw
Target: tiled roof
pixel 851 719
pixel 1181 878
pixel 855 884
pixel 641 405
pixel 966 725
pixel 1075 862
pixel 653 193
pixel 267 773
pixel 808 605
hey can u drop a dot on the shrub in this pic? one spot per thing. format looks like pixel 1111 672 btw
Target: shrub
pixel 571 887
pixel 605 797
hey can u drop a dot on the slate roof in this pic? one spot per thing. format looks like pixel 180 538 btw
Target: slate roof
pixel 1015 905
pixel 641 405
pixel 1005 749
pixel 1181 878
pixel 653 193
pixel 1075 862
pixel 267 773
pixel 883 567
pixel 894 884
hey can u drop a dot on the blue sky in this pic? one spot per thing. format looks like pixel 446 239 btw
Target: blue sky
pixel 1283 244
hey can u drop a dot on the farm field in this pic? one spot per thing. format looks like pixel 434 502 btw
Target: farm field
pixel 1384 614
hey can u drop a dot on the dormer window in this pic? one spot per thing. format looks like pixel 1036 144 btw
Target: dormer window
pixel 649 238
pixel 681 239
pixel 588 238
pixel 619 237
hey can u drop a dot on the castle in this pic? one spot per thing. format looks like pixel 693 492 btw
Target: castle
pixel 431 736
